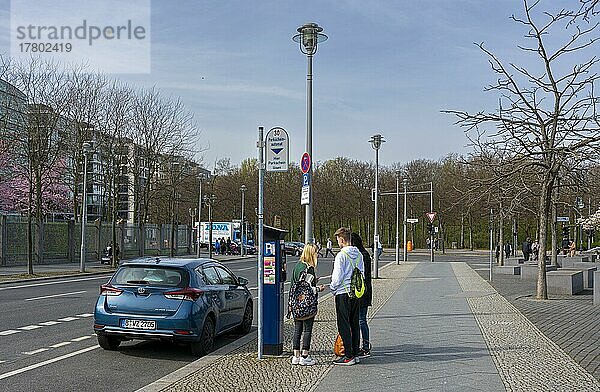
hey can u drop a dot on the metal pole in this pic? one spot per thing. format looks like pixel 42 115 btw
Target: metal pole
pixel 491 243
pixel 431 210
pixel 210 243
pixel 261 180
pixel 242 225
pixel 84 215
pixel 308 217
pixel 199 218
pixel 405 183
pixel 375 231
pixel 397 218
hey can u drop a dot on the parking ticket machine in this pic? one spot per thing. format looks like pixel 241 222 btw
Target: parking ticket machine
pixel 274 276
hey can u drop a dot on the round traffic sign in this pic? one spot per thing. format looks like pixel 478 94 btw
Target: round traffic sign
pixel 305 163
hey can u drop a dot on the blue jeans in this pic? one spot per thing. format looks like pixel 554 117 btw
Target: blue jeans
pixel 364 328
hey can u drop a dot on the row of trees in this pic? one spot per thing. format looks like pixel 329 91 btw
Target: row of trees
pixel 141 139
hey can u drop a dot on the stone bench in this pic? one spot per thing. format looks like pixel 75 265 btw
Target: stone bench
pixel 513 262
pixel 597 289
pixel 508 270
pixel 588 270
pixel 564 282
pixel 530 271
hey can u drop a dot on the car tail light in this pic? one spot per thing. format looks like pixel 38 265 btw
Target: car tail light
pixel 182 332
pixel 187 294
pixel 109 291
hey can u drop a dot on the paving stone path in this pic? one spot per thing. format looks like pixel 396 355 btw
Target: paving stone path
pixel 240 370
pixel 526 359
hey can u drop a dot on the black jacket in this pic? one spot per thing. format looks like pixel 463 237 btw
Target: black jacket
pixel 367 298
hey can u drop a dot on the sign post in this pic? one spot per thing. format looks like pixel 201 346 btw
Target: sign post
pixel 305 164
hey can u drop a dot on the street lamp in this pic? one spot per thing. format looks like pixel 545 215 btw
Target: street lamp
pixel 376 141
pixel 87 148
pixel 405 183
pixel 308 38
pixel 209 200
pixel 243 190
pixel 398 217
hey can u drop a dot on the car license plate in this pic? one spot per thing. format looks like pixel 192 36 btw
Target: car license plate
pixel 138 324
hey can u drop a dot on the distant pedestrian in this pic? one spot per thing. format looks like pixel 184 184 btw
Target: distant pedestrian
pixel 366 300
pixel 507 249
pixel 497 253
pixel 346 308
pixel 535 247
pixel 217 246
pixel 223 246
pixel 228 244
pixel 303 328
pixel 319 249
pixel 329 248
pixel 526 248
pixel 572 249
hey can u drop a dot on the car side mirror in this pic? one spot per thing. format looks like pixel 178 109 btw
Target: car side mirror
pixel 242 281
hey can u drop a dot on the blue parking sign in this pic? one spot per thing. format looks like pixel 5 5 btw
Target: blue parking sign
pixel 305 179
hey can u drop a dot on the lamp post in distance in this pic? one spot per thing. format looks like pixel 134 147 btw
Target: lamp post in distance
pixel 308 38
pixel 87 148
pixel 376 141
pixel 243 190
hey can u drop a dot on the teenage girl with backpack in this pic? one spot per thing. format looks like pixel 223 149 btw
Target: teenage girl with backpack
pixel 303 328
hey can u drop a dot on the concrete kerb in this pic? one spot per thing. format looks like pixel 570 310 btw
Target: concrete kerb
pixel 188 370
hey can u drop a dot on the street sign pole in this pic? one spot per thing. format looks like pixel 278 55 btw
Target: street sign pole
pixel 431 235
pixel 261 182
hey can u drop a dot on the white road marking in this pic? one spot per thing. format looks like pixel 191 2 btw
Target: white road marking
pixel 85 315
pixel 68 319
pixel 55 295
pixel 8 332
pixel 29 327
pixel 57 345
pixel 49 323
pixel 2 361
pixel 81 338
pixel 56 282
pixel 41 350
pixel 40 364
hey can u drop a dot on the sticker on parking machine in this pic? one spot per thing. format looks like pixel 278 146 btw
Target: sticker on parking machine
pixel 269 270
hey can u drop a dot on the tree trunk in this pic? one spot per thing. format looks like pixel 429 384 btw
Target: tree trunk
pixel 554 257
pixel 545 199
pixel 501 239
pixel 462 231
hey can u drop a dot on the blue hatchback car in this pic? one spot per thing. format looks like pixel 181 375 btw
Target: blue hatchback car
pixel 179 300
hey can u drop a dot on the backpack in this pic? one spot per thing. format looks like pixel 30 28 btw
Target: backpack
pixel 302 302
pixel 357 282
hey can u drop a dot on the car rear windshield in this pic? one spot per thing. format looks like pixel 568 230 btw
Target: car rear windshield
pixel 151 275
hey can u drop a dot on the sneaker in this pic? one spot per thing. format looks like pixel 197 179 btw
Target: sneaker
pixel 362 353
pixel 308 361
pixel 296 360
pixel 345 361
pixel 356 359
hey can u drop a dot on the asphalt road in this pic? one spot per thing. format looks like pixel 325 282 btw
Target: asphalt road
pixel 47 342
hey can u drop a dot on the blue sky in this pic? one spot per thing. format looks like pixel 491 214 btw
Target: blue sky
pixel 388 67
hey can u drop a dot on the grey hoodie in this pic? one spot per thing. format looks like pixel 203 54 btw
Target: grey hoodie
pixel 345 261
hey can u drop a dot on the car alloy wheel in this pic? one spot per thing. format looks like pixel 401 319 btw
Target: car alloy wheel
pixel 246 324
pixel 108 342
pixel 207 339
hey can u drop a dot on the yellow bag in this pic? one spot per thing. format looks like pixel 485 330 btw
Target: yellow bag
pixel 338 346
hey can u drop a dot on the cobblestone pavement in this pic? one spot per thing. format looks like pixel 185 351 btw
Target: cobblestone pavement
pixel 240 370
pixel 526 359
pixel 572 322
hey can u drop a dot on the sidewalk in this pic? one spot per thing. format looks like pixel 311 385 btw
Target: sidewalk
pixel 435 326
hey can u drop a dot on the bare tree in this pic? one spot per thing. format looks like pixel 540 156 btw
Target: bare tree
pixel 546 114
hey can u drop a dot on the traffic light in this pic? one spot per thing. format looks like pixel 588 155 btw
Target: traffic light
pixel 565 232
pixel 429 227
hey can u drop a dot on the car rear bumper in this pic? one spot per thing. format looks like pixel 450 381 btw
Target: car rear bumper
pixel 129 334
